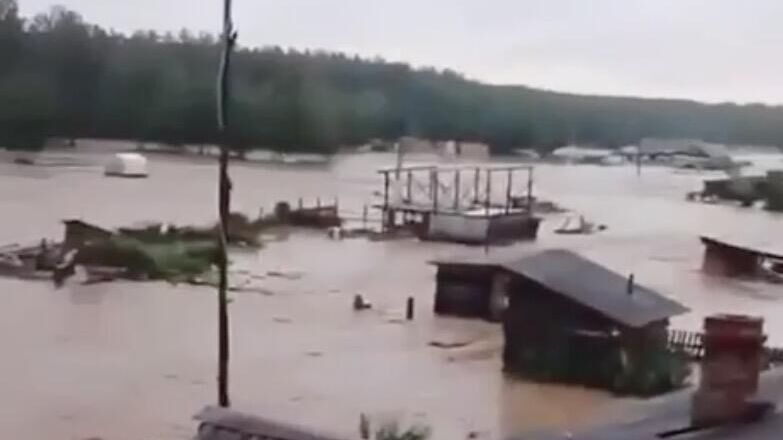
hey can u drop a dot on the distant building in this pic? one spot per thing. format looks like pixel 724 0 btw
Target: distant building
pixel 126 165
pixel 577 154
pixel 687 153
pixel 463 149
pixel 410 144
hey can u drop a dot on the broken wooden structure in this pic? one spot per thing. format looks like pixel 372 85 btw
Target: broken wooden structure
pixel 740 258
pixel 320 215
pixel 474 205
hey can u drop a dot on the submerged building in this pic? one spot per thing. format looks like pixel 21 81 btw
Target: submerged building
pixel 567 319
pixel 572 320
pixel 476 204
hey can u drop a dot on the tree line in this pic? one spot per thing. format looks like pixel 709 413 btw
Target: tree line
pixel 61 76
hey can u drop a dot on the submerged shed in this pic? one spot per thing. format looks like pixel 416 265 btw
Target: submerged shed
pixel 738 257
pixel 572 320
pixel 464 287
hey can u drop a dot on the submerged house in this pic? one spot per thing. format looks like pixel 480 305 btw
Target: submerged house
pixel 742 258
pixel 470 288
pixel 567 319
pixel 572 320
pixel 688 153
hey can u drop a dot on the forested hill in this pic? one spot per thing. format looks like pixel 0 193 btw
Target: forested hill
pixel 60 76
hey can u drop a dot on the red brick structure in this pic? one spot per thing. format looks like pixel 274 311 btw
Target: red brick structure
pixel 730 369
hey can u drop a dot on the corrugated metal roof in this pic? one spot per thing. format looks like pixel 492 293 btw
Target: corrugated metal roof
pixel 595 287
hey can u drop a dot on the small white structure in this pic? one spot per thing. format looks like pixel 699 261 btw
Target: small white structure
pixel 576 154
pixel 127 165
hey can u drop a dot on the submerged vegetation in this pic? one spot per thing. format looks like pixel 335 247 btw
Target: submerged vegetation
pixel 164 260
pixel 60 76
pixel 392 431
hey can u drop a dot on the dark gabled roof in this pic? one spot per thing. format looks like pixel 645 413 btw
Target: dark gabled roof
pixel 595 287
pixel 83 224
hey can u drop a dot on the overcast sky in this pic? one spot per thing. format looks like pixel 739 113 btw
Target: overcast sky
pixel 711 50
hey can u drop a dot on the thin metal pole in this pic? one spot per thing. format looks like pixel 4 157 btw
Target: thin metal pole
pixel 385 190
pixel 487 201
pixel 410 186
pixel 224 205
pixel 385 223
pixel 476 179
pixel 508 190
pixel 639 161
pixel 456 190
pixel 530 190
pixel 434 188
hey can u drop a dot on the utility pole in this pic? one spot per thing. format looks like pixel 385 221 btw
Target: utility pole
pixel 224 203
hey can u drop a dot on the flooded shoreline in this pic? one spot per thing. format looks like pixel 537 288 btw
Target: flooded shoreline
pixel 131 360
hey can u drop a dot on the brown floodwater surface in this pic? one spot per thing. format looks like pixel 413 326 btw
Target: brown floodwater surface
pixel 136 360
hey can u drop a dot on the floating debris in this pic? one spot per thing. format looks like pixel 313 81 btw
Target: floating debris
pixel 286 275
pixel 449 344
pixel 359 303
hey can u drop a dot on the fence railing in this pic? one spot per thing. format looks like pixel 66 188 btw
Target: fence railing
pixel 692 344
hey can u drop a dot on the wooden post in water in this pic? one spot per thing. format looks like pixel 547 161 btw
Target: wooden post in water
pixel 224 204
pixel 409 309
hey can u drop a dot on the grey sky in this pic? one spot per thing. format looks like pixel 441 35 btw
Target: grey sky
pixel 713 50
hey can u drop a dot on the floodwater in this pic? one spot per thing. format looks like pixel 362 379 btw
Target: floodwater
pixel 135 360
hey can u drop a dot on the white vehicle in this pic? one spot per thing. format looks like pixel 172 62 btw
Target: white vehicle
pixel 127 165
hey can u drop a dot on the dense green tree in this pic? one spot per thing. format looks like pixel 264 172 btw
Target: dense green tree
pixel 60 76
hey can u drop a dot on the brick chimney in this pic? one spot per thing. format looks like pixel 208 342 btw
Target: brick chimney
pixel 730 370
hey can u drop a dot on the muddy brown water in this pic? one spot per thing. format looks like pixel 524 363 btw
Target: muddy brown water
pixel 136 360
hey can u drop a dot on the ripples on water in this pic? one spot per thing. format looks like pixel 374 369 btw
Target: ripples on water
pixel 131 361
